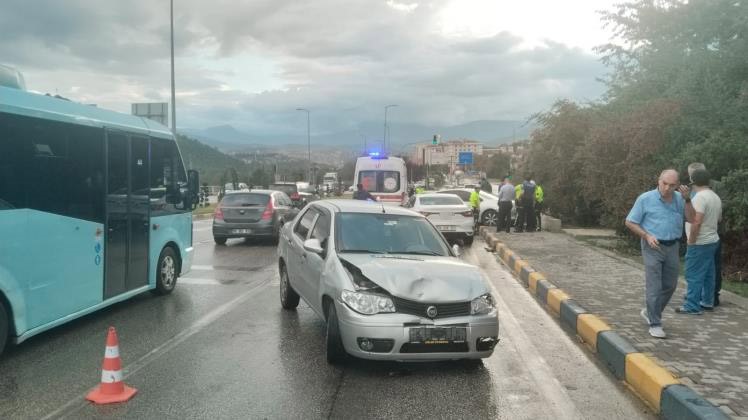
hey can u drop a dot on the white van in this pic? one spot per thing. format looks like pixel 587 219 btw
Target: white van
pixel 385 177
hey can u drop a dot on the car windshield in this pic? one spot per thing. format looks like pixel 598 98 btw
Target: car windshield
pixel 245 200
pixel 388 233
pixel 286 188
pixel 442 200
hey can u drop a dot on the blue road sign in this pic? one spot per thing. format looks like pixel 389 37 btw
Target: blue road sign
pixel 465 158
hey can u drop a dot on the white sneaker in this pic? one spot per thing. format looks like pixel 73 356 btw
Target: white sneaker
pixel 644 315
pixel 657 332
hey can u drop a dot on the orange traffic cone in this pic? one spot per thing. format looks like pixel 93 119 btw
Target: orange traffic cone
pixel 112 389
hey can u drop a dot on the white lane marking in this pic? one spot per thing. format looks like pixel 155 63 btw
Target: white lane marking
pixel 192 280
pixel 548 384
pixel 203 267
pixel 79 402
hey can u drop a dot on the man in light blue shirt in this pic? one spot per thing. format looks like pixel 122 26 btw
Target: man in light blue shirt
pixel 657 218
pixel 506 197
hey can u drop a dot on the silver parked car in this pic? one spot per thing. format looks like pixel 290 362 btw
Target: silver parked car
pixel 387 284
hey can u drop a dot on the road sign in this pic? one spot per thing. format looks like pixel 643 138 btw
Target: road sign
pixel 156 111
pixel 465 158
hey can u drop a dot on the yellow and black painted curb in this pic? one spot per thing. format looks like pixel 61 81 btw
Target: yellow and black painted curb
pixel 654 384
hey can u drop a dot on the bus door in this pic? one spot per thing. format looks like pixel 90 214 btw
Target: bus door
pixel 127 214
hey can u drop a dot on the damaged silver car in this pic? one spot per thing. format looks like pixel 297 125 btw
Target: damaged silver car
pixel 387 284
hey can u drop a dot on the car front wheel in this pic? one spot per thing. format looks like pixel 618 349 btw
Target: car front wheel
pixel 335 351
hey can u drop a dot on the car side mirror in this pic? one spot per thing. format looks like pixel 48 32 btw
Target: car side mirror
pixel 313 245
pixel 456 250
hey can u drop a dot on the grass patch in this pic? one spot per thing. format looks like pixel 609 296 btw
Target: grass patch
pixel 740 288
pixel 204 210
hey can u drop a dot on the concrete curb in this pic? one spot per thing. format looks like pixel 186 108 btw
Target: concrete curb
pixel 654 384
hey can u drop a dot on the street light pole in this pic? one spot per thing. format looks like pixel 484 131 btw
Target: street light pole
pixel 363 137
pixel 308 142
pixel 384 142
pixel 173 95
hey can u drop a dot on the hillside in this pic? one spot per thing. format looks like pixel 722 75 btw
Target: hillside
pixel 209 161
pixel 212 164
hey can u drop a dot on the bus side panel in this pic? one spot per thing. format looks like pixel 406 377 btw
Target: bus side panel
pixel 176 228
pixel 13 259
pixel 64 266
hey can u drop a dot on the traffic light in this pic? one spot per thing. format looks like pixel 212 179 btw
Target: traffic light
pixel 435 141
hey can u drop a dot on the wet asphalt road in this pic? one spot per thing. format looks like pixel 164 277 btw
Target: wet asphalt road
pixel 220 346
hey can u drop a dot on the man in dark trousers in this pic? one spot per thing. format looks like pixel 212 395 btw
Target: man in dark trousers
pixel 528 204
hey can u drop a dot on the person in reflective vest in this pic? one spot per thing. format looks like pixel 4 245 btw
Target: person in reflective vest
pixel 539 197
pixel 475 204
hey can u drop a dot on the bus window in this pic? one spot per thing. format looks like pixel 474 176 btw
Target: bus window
pixel 56 168
pixel 167 171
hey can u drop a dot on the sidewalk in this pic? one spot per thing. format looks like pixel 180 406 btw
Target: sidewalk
pixel 709 353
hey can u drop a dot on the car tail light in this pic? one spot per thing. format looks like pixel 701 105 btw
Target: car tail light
pixel 468 213
pixel 218 214
pixel 294 196
pixel 268 213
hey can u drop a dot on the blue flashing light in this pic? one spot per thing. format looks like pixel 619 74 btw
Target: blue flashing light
pixel 376 154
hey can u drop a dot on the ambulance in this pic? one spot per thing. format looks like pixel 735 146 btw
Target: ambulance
pixel 385 177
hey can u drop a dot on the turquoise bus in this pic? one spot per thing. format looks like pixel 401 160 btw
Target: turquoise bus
pixel 95 207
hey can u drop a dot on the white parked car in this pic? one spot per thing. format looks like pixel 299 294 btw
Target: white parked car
pixel 448 213
pixel 489 205
pixel 386 283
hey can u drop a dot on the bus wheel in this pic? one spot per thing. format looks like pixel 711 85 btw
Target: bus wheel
pixel 4 326
pixel 167 271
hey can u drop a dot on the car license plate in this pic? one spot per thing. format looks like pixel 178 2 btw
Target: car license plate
pixel 435 335
pixel 241 231
pixel 447 228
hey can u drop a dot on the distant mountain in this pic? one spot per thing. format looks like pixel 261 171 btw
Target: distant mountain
pixel 228 138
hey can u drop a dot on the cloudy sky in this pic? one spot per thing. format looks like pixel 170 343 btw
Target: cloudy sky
pixel 251 63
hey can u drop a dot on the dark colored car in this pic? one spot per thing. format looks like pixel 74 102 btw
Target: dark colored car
pixel 259 213
pixel 291 190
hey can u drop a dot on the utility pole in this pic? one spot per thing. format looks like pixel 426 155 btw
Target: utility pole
pixel 309 143
pixel 173 94
pixel 384 140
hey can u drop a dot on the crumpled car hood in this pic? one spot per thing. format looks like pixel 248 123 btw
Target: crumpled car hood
pixel 421 278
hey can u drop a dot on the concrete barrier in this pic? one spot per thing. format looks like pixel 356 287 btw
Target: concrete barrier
pixel 588 327
pixel 612 349
pixel 648 378
pixel 551 224
pixel 680 402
